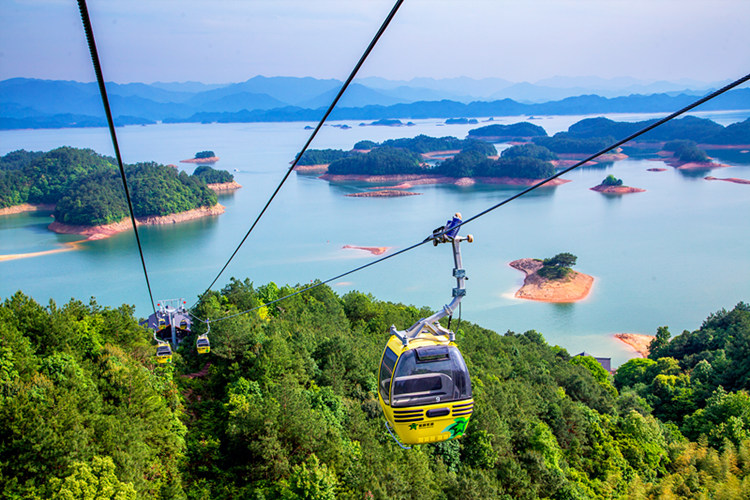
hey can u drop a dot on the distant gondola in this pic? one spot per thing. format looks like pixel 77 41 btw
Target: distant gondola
pixel 202 344
pixel 163 352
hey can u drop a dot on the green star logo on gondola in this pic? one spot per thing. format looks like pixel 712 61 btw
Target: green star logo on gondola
pixel 457 428
pixel 413 427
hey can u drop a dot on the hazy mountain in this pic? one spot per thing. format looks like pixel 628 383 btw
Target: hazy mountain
pixel 356 95
pixel 240 101
pixel 461 86
pixel 286 89
pixel 188 87
pixel 44 103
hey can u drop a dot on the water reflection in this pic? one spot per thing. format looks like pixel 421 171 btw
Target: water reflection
pixel 694 173
pixel 741 157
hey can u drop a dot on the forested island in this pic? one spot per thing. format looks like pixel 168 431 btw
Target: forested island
pixel 399 164
pixel 552 279
pixel 613 185
pixel 85 411
pixel 203 158
pixel 431 160
pixel 591 135
pixel 84 190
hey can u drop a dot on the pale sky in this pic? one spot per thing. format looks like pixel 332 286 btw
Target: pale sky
pixel 222 41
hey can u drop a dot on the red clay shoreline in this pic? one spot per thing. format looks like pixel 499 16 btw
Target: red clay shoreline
pixel 639 342
pixel 202 161
pixel 574 288
pixel 601 188
pixel 107 230
pixel 220 187
pixel 405 181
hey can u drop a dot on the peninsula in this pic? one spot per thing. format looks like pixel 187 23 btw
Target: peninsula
pixel 552 280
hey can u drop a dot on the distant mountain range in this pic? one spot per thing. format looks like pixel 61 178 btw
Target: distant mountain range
pixel 32 103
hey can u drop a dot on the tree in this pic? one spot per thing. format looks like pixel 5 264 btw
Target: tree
pixel 611 180
pixel 557 267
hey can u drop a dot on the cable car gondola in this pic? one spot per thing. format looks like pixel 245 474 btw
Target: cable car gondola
pixel 163 352
pixel 424 386
pixel 202 344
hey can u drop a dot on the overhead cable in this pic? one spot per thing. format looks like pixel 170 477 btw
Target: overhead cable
pixel 103 92
pixel 341 91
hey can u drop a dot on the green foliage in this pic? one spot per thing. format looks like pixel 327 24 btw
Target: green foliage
pixel 211 175
pixel 514 131
pixel 611 180
pixel 476 164
pixel 530 151
pixel 97 481
pixel 324 156
pixel 285 407
pixel 83 412
pixel 204 154
pixel 564 143
pixel 365 144
pixel 601 375
pixel 557 267
pixel 686 151
pixel 380 161
pixel 86 188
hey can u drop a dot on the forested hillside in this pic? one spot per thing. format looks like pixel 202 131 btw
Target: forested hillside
pixel 284 406
pixel 85 188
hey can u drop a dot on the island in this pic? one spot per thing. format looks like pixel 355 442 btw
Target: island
pixel 218 181
pixel 686 155
pixel 84 192
pixel 398 164
pixel 203 158
pixel 552 280
pixel 613 185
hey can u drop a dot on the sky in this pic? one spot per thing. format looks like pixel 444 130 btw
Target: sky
pixel 222 41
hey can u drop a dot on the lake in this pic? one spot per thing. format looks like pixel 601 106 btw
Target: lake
pixel 669 256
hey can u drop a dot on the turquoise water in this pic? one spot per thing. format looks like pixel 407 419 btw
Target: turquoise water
pixel 669 256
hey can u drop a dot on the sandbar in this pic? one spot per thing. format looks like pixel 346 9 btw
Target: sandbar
pixel 573 288
pixel 66 247
pixel 372 250
pixel 728 179
pixel 601 188
pixel 639 342
pixel 656 169
pixel 24 207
